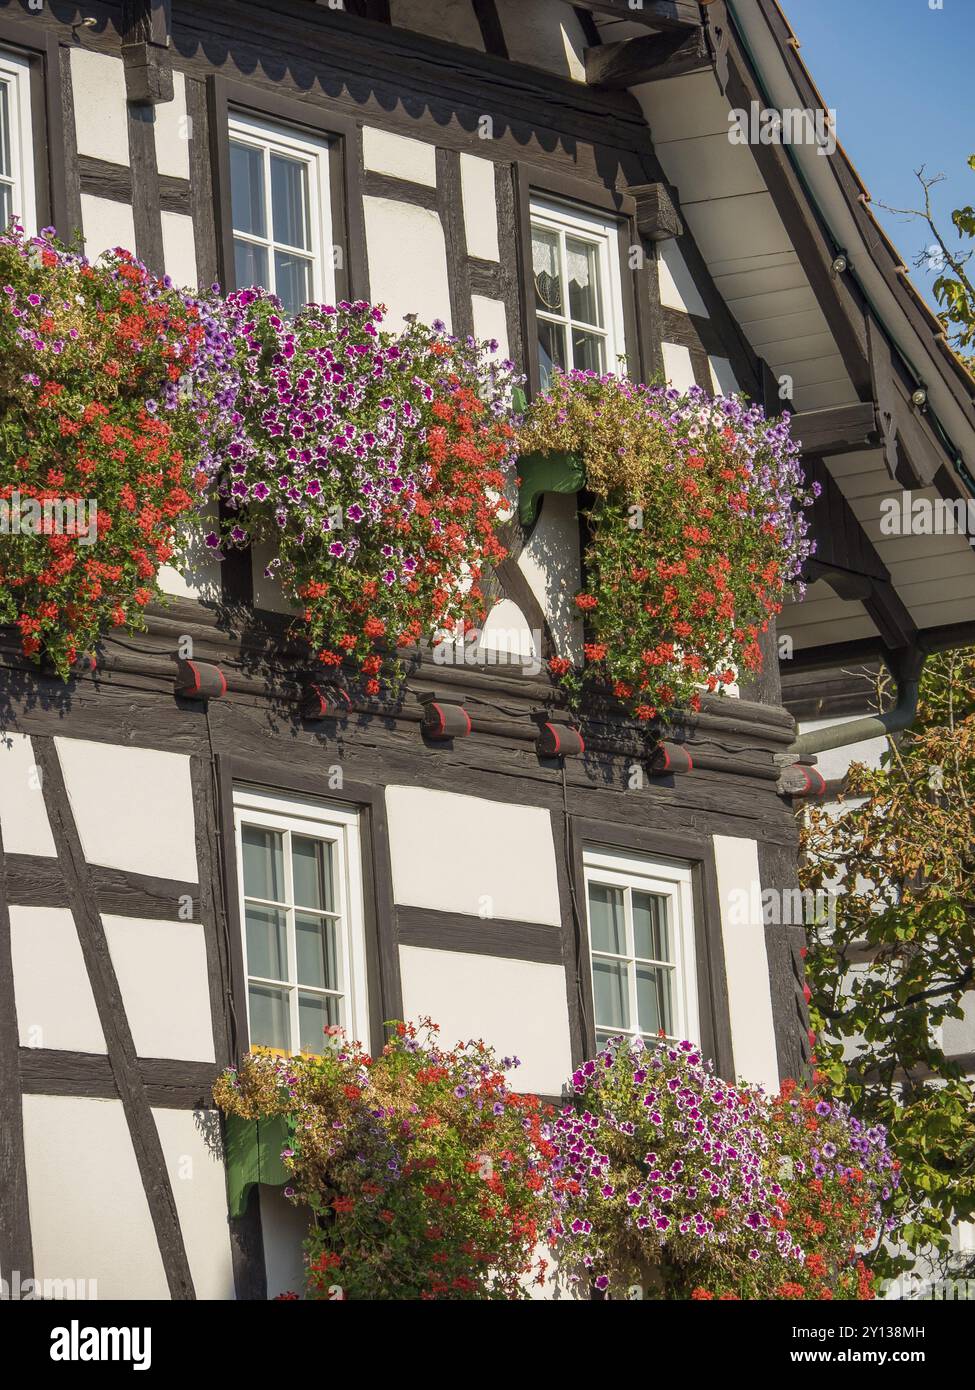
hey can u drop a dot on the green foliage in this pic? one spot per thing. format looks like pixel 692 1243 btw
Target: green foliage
pixel 899 960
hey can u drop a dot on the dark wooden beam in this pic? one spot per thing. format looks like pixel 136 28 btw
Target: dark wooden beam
pixel 836 429
pixel 656 14
pixel 649 58
pixel 146 32
pixel 453 931
pixel 657 214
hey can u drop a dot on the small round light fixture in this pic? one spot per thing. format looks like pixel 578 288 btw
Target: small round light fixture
pixel 840 263
pixel 919 398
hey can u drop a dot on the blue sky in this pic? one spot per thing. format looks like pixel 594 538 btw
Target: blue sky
pixel 901 78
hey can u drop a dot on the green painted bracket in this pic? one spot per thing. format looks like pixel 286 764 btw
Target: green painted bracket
pixel 253 1155
pixel 548 472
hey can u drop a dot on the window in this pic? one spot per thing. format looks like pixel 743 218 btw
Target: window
pixel 578 294
pixel 16 150
pixel 281 212
pixel 641 938
pixel 300 886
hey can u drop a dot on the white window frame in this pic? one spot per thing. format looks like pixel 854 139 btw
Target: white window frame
pixel 269 137
pixel 672 880
pixel 15 74
pixel 338 825
pixel 602 232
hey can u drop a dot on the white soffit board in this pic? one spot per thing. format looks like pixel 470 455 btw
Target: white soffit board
pixel 100 112
pixel 465 854
pixel 133 807
pixel 88 1211
pixel 55 1005
pixel 403 236
pixel 194 1161
pixel 401 156
pixel 519 1007
pixel 23 815
pixel 746 961
pixel 162 974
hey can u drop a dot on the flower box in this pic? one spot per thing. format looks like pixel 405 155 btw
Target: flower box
pixel 546 472
pixel 252 1150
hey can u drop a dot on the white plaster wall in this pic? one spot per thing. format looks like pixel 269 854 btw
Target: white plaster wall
pixel 385 152
pixel 179 249
pixel 506 630
pixel 723 379
pixel 268 592
pixel 466 854
pixel 283 1228
pixel 746 962
pixel 23 817
pixel 88 1211
pixel 452 22
pixel 162 973
pixel 544 35
pixel 490 323
pixel 172 132
pixel 517 1006
pixel 55 1005
pixel 106 224
pixel 552 564
pixel 200 576
pixel 133 807
pixel 836 761
pixel 678 367
pixel 194 1161
pixel 480 207
pixel 677 287
pixel 407 261
pixel 100 112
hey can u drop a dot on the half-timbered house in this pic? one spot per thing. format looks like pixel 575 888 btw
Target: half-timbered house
pixel 444 151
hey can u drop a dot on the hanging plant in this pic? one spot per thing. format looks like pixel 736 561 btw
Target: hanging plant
pixel 375 464
pixel 97 441
pixel 420 1167
pixel 667 1178
pixel 697 532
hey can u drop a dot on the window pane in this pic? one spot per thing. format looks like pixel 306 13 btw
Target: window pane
pixel 606 922
pixel 582 273
pixel 289 201
pixel 317 951
pixel 611 994
pixel 267 953
pixel 5 166
pixel 292 281
pixel 588 352
pixel 654 1003
pixel 312 866
pixel 6 204
pixel 250 265
pixel 551 349
pixel 269 1017
pixel 651 927
pixel 247 189
pixel 263 863
pixel 315 1013
pixel 545 267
